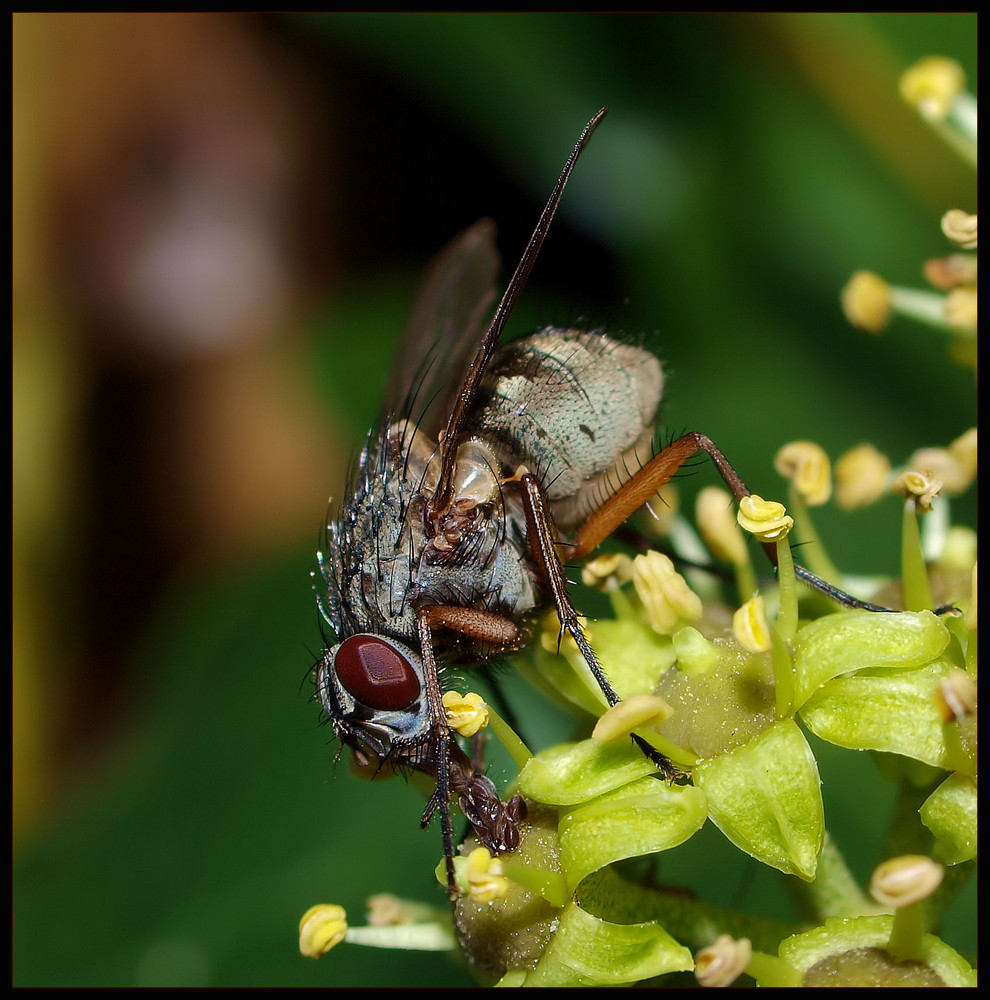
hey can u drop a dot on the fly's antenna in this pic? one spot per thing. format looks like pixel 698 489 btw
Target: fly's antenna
pixel 441 498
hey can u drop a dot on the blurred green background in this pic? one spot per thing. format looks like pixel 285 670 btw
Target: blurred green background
pixel 218 222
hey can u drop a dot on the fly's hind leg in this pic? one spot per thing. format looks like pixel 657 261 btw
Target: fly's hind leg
pixel 636 491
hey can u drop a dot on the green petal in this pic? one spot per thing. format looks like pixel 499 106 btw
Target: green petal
pixel 950 813
pixel 576 772
pixel 849 935
pixel 632 654
pixel 587 951
pixel 857 640
pixel 765 796
pixel 640 818
pixel 894 712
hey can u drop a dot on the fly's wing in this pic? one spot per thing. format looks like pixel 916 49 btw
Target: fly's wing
pixel 444 328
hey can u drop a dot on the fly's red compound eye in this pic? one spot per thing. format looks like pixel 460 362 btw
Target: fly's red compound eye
pixel 376 673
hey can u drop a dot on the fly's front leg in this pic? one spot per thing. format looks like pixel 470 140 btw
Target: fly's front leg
pixel 542 538
pixel 493 820
pixel 441 739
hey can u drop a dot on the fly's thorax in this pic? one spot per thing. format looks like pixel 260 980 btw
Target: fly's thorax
pixel 573 406
pixel 476 500
pixel 382 564
pixel 377 540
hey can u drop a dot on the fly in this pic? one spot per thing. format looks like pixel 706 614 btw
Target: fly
pixel 487 458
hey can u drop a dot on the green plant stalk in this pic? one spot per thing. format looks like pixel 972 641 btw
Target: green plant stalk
pixel 691 921
pixel 771 971
pixel 835 891
pixel 813 553
pixel 787 616
pixel 914 572
pixel 507 736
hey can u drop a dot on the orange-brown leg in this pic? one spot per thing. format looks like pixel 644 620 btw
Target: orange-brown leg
pixel 634 493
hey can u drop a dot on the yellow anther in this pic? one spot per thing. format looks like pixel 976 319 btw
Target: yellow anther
pixel 932 84
pixel 631 713
pixel 386 910
pixel 959 550
pixel 960 227
pixel 961 307
pixel 766 519
pixel 485 876
pixel 665 594
pixel 717 524
pixel 922 487
pixel 952 271
pixel 466 714
pixel 321 928
pixel 806 465
pixel 723 961
pixel 955 466
pixel 964 450
pixel 860 477
pixel 749 624
pixel 866 301
pixel 605 572
pixel 904 881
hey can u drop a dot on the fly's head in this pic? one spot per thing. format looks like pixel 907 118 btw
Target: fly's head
pixel 373 693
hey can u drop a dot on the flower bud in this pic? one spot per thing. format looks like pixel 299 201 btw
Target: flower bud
pixel 960 308
pixel 949 272
pixel 608 571
pixel 954 467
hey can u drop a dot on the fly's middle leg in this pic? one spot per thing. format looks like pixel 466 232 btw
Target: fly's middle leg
pixel 542 538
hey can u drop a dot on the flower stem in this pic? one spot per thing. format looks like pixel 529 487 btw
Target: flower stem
pixel 518 751
pixel 787 616
pixel 914 572
pixel 835 891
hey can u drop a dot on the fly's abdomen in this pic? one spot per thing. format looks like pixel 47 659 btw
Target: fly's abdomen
pixel 577 408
